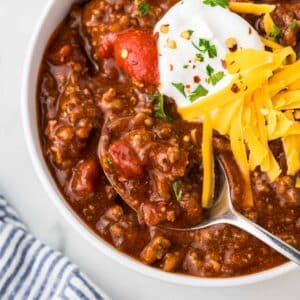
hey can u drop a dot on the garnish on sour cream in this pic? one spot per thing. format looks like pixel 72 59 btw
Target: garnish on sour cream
pixel 193 41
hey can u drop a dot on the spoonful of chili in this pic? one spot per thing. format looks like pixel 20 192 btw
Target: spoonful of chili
pixel 138 195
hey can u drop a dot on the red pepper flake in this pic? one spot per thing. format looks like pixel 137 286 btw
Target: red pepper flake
pixel 197 79
pixel 250 30
pixel 233 49
pixel 223 62
pixel 188 86
pixel 234 88
pixel 194 66
pixel 171 67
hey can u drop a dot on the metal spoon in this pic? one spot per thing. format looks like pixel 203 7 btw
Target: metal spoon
pixel 222 211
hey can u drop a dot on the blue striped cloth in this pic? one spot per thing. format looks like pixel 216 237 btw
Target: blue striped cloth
pixel 31 270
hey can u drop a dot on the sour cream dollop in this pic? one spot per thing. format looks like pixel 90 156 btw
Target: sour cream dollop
pixel 193 40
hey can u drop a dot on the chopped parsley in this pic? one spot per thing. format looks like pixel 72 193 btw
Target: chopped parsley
pixel 198 92
pixel 177 190
pixel 209 70
pixel 180 87
pixel 200 57
pixel 214 77
pixel 293 24
pixel 159 110
pixel 144 9
pixel 185 66
pixel 213 3
pixel 275 34
pixel 204 46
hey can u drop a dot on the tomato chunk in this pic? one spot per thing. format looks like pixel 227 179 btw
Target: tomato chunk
pixel 84 179
pixel 125 160
pixel 137 54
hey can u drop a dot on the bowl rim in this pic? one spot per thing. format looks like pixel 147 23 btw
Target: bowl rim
pixel 30 128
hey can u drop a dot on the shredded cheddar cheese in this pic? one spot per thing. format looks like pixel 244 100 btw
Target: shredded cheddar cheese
pixel 251 8
pixel 268 24
pixel 298 182
pixel 291 146
pixel 208 162
pixel 238 148
pixel 271 44
pixel 257 107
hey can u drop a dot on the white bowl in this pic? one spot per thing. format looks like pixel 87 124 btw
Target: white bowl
pixel 53 14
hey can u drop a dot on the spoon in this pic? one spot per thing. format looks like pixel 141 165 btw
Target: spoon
pixel 222 211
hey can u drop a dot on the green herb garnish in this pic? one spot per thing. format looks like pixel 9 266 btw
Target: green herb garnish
pixel 213 3
pixel 275 34
pixel 190 32
pixel 144 9
pixel 185 66
pixel 198 92
pixel 293 24
pixel 212 51
pixel 177 190
pixel 180 87
pixel 209 70
pixel 159 108
pixel 214 77
pixel 200 57
pixel 204 46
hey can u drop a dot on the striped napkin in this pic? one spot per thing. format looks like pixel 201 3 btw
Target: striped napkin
pixel 31 270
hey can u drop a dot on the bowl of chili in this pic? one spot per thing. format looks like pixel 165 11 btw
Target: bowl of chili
pixel 81 81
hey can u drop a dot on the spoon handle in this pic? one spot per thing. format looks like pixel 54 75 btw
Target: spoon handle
pixel 268 238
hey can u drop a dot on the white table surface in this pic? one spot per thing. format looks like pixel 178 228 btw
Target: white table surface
pixel 20 185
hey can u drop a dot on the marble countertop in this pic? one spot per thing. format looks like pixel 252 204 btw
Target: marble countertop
pixel 20 185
